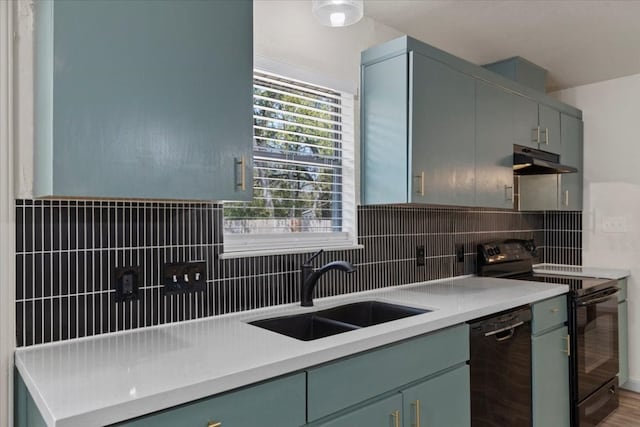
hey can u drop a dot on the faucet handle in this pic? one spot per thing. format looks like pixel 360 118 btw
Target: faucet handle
pixel 314 256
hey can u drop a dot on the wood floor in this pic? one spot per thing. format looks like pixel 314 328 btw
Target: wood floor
pixel 627 414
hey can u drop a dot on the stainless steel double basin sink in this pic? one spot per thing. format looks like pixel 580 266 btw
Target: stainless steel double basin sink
pixel 336 320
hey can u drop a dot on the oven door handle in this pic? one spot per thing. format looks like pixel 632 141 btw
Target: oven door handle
pixel 607 296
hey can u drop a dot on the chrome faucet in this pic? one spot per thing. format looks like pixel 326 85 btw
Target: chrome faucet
pixel 310 276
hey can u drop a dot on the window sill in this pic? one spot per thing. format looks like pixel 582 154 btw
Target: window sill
pixel 282 251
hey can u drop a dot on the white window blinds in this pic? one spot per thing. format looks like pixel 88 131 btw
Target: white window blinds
pixel 303 160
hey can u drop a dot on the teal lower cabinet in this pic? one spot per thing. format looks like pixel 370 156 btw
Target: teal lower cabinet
pixel 442 401
pixel 386 412
pixel 623 333
pixel 428 374
pixel 278 402
pixel 25 411
pixel 550 364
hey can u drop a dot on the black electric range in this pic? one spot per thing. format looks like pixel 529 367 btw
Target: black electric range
pixel 592 324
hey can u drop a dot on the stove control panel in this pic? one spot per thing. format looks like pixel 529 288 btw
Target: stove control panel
pixel 506 251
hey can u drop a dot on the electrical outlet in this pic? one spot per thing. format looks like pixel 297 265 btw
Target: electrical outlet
pixel 180 277
pixel 614 224
pixel 126 283
pixel 459 252
pixel 420 255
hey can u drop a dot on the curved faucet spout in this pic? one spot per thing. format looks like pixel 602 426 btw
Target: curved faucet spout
pixel 310 278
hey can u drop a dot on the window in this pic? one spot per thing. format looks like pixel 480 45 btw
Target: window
pixel 303 164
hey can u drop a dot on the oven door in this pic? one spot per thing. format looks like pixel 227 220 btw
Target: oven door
pixel 596 318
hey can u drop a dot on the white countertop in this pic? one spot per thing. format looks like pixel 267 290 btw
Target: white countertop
pixel 112 378
pixel 580 271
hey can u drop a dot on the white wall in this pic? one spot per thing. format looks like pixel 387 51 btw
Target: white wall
pixel 612 187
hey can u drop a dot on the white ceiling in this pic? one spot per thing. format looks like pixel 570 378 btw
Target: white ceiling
pixel 577 41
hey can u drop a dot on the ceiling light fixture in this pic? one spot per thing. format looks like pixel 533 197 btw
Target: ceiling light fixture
pixel 337 13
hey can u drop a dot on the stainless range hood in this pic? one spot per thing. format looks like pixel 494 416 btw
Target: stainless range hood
pixel 529 161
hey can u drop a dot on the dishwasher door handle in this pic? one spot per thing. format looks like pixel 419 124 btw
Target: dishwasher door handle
pixel 506 328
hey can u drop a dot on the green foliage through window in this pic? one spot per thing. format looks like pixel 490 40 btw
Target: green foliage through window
pixel 297 160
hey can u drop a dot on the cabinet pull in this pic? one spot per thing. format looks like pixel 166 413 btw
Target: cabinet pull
pixel 241 164
pixel 537 135
pixel 546 136
pixel 416 405
pixel 506 192
pixel 421 178
pixel 396 418
pixel 568 350
pixel 554 310
pixel 214 424
pixel 566 198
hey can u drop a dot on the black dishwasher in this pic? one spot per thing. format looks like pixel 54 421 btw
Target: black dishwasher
pixel 500 366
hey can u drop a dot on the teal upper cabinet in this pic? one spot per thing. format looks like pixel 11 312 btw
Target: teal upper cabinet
pixel 536 125
pixel 439 130
pixel 549 122
pixel 144 99
pixel 442 142
pixel 571 154
pixel 418 127
pixel 495 135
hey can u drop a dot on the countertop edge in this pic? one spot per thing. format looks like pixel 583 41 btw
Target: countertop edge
pixel 597 272
pixel 167 399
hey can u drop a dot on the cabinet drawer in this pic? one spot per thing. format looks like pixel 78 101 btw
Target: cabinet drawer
pixel 622 294
pixel 349 381
pixel 549 313
pixel 276 403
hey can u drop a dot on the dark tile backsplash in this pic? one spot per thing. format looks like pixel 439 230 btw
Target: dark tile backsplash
pixel 67 252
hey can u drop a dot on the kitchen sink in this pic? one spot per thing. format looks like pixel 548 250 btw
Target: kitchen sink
pixel 369 313
pixel 305 327
pixel 344 318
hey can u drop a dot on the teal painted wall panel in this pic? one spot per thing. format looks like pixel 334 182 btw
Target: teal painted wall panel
pixel 442 133
pixel 443 401
pixel 550 379
pixel 149 99
pixel 279 403
pixel 384 163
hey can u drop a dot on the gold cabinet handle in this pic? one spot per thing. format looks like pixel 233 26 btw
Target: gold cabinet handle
pixel 506 192
pixel 568 350
pixel 416 406
pixel 537 135
pixel 546 136
pixel 421 178
pixel 241 164
pixel 554 310
pixel 566 197
pixel 396 418
pixel 214 424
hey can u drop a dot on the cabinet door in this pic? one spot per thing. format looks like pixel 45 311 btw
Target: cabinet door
pixel 550 379
pixel 525 121
pixel 549 121
pixel 144 99
pixel 623 340
pixel 442 139
pixel 494 147
pixel 276 403
pixel 383 413
pixel 385 176
pixel 443 401
pixel 571 154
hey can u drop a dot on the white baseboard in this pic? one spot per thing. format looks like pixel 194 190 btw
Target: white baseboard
pixel 632 385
